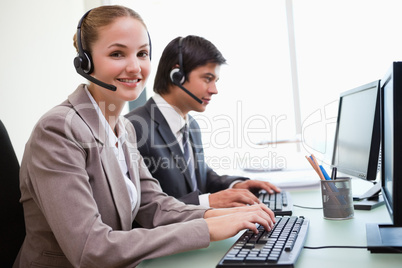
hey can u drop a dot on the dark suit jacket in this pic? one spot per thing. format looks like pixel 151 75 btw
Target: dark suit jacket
pixel 164 158
pixel 12 227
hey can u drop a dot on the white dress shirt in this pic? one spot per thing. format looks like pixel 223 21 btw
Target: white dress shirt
pixel 117 144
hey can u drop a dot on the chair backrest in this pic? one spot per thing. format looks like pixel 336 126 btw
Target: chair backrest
pixel 12 225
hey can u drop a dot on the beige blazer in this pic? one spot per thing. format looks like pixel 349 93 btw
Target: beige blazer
pixel 76 204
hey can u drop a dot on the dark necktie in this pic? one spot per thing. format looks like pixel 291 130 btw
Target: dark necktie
pixel 188 157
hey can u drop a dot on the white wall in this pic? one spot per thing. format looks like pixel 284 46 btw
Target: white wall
pixel 345 42
pixel 36 66
pixel 340 44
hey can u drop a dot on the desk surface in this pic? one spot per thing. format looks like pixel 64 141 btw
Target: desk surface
pixel 322 232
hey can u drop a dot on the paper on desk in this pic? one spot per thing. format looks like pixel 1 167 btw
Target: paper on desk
pixel 288 179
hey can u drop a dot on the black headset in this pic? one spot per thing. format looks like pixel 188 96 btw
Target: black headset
pixel 178 76
pixel 83 61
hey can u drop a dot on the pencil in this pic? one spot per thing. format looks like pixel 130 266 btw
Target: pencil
pixel 311 163
pixel 317 169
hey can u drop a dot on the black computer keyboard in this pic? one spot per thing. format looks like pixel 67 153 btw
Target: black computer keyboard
pixel 278 248
pixel 280 203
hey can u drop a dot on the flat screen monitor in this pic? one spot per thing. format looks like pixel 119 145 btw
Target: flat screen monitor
pixel 357 139
pixel 391 178
pixel 388 238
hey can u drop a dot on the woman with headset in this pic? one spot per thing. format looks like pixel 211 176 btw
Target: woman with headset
pixel 83 182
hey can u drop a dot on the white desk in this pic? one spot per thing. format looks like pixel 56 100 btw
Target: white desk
pixel 321 233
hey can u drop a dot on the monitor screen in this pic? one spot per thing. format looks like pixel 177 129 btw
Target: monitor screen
pixel 387 238
pixel 391 127
pixel 357 137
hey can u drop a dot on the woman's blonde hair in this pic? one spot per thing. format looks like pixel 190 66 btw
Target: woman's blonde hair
pixel 98 17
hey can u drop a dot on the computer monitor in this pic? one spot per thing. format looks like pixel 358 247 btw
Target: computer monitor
pixel 388 238
pixel 357 139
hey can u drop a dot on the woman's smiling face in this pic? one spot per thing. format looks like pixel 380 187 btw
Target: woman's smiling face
pixel 121 58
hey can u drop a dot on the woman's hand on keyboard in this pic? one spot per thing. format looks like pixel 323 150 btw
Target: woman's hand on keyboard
pixel 225 223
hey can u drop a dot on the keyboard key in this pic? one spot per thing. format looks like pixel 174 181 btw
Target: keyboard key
pixel 279 203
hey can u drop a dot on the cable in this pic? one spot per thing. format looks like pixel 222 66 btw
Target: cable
pixel 307 207
pixel 383 249
pixel 322 247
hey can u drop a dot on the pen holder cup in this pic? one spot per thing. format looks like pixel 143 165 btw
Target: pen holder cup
pixel 337 199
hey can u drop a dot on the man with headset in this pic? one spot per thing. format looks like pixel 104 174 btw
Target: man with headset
pixel 186 81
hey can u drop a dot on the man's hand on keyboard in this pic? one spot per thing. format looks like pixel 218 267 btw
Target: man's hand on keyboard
pixel 255 186
pixel 225 223
pixel 232 198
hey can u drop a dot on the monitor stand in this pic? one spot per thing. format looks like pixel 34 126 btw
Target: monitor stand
pixel 383 238
pixel 370 199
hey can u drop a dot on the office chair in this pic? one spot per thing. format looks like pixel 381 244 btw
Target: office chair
pixel 12 225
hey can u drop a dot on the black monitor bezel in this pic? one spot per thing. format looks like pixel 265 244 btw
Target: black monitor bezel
pixel 394 202
pixel 372 167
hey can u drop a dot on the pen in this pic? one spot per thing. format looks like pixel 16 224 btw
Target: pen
pixel 326 176
pixel 333 175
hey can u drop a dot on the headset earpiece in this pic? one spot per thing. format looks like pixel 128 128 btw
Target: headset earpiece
pixel 177 76
pixel 83 60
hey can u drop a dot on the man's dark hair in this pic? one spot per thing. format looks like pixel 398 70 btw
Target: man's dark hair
pixel 196 51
